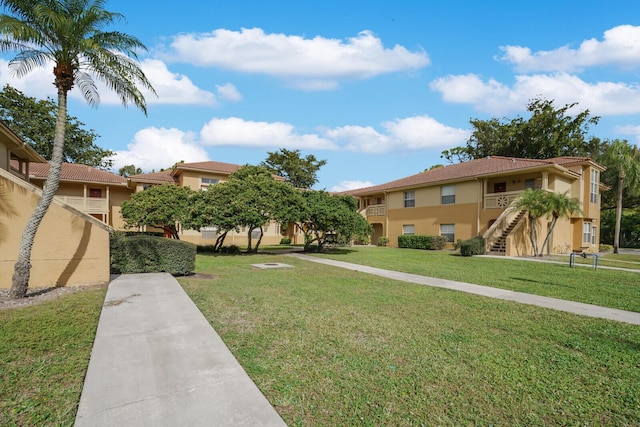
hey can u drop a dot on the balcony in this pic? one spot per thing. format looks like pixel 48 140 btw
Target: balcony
pixel 376 210
pixel 500 200
pixel 90 205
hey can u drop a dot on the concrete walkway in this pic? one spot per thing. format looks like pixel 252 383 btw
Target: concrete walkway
pixel 156 361
pixel 547 302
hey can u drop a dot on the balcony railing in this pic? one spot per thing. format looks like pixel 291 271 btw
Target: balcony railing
pixel 87 204
pixel 376 210
pixel 500 200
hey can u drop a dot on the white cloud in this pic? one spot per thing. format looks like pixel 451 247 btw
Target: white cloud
pixel 157 148
pixel 350 185
pixel 601 98
pixel 408 134
pixel 238 132
pixel 620 46
pixel 632 130
pixel 172 88
pixel 229 92
pixel 317 63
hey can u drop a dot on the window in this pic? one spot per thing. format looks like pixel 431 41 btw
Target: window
pixel 209 232
pixel 409 199
pixel 206 182
pixel 448 194
pixel 499 187
pixel 408 229
pixel 594 186
pixel 448 231
pixel 594 238
pixel 586 232
pixel 530 184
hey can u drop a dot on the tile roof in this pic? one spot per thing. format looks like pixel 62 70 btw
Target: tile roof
pixel 492 165
pixel 74 172
pixel 209 166
pixel 154 177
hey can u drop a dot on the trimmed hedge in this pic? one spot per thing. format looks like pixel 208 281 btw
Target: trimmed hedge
pixel 148 254
pixel 473 246
pixel 421 242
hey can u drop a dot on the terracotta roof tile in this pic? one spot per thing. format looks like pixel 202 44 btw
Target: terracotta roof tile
pixel 154 177
pixel 74 172
pixel 467 170
pixel 210 166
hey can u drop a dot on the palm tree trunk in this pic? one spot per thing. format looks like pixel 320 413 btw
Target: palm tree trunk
pixel 616 234
pixel 22 267
pixel 548 236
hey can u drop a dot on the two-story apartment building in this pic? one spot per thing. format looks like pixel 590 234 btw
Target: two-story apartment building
pixel 70 247
pixel 200 176
pixel 90 190
pixel 472 198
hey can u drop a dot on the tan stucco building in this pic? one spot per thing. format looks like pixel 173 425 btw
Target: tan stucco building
pixel 200 176
pixel 70 248
pixel 472 198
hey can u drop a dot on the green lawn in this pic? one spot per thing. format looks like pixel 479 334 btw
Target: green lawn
pixel 45 352
pixel 609 288
pixel 329 346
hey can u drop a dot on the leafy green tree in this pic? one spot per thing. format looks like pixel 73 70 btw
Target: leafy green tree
pixel 549 132
pixel 70 34
pixel 624 159
pixel 215 207
pixel 300 172
pixel 324 216
pixel 35 122
pixel 558 206
pixel 534 202
pixel 161 206
pixel 129 170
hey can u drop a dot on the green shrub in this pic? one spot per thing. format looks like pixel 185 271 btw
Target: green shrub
pixel 148 254
pixel 421 242
pixel 285 241
pixel 383 241
pixel 473 246
pixel 230 250
pixel 605 248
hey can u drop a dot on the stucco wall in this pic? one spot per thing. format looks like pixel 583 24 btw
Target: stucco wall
pixel 70 248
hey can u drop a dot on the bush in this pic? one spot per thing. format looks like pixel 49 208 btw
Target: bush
pixel 473 246
pixel 605 248
pixel 285 241
pixel 383 241
pixel 421 242
pixel 148 254
pixel 230 250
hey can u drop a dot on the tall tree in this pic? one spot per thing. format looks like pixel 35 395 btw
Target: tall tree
pixel 129 170
pixel 69 34
pixel 532 201
pixel 161 206
pixel 35 122
pixel 549 132
pixel 558 206
pixel 300 172
pixel 624 159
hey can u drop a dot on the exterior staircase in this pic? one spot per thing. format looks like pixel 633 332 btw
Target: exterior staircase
pixel 498 247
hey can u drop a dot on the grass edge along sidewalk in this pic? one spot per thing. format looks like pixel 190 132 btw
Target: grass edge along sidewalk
pixel 329 346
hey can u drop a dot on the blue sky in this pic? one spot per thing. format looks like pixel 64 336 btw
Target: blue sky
pixel 377 88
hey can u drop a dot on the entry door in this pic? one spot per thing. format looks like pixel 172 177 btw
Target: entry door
pixel 95 192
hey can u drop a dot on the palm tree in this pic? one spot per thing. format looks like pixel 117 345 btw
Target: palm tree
pixel 67 33
pixel 558 206
pixel 532 201
pixel 626 160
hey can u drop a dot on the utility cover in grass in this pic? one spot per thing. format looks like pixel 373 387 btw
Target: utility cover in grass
pixel 267 265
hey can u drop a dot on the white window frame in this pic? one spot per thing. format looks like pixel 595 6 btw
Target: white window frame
pixel 594 186
pixel 408 229
pixel 409 199
pixel 448 231
pixel 206 182
pixel 594 236
pixel 448 194
pixel 587 232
